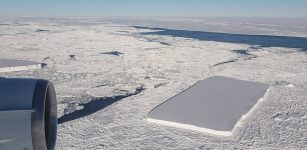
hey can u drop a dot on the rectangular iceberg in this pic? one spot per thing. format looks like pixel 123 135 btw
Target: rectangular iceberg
pixel 213 105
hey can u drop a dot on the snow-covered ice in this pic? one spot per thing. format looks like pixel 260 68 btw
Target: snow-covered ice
pixel 104 99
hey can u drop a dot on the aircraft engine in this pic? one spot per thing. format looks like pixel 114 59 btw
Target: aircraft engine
pixel 28 114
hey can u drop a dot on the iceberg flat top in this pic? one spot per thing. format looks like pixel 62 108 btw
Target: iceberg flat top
pixel 15 63
pixel 216 103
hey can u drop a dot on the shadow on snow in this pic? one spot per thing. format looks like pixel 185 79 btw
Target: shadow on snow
pixel 95 105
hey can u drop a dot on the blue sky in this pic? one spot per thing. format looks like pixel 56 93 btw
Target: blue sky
pixel 232 8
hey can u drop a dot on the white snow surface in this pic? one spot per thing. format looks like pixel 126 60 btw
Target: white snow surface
pixel 162 65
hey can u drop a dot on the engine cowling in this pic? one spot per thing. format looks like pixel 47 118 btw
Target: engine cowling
pixel 28 114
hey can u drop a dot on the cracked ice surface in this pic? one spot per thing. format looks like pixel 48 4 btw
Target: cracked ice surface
pixel 162 70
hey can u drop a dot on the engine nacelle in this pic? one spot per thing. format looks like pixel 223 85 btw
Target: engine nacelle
pixel 28 114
